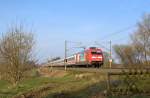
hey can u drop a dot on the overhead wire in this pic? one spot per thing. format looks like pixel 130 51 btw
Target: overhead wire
pixel 103 40
pixel 117 32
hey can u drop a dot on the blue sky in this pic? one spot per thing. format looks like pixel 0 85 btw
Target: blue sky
pixel 86 21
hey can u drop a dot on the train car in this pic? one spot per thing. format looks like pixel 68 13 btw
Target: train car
pixel 92 56
pixel 59 62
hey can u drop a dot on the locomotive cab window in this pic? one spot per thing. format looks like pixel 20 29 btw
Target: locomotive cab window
pixel 96 52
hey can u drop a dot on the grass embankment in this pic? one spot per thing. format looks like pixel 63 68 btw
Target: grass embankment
pixel 59 84
pixel 79 85
pixel 71 84
pixel 31 82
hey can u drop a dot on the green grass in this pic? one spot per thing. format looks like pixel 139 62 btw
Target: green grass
pixel 3 84
pixel 68 83
pixel 26 85
pixel 68 86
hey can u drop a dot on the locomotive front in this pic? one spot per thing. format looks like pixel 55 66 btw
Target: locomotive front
pixel 95 56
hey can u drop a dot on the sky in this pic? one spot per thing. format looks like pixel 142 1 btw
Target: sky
pixel 80 21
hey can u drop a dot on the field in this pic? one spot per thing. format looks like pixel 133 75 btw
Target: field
pixel 69 83
pixel 59 84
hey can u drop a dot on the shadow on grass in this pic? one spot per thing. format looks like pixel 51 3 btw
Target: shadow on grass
pixel 88 92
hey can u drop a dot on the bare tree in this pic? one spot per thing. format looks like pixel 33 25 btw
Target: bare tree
pixel 126 54
pixel 15 54
pixel 141 39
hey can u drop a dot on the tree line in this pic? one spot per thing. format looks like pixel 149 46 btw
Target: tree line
pixel 136 53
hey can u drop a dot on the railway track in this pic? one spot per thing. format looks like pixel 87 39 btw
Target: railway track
pixel 106 70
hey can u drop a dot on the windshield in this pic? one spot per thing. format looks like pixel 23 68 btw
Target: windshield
pixel 96 52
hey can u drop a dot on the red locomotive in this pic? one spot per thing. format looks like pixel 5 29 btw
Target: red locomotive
pixel 89 57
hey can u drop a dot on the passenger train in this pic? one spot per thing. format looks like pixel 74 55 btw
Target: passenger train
pixel 92 56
